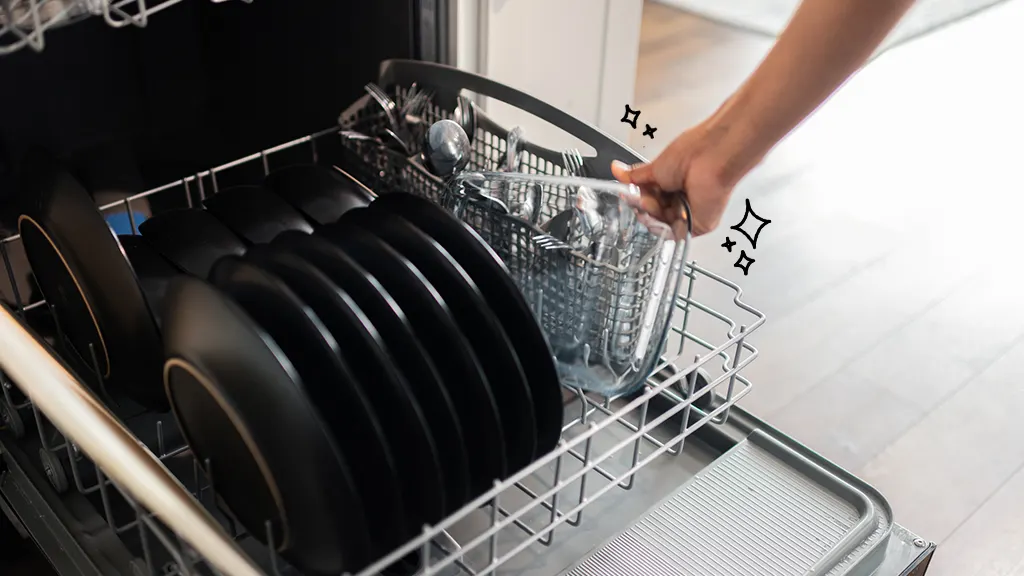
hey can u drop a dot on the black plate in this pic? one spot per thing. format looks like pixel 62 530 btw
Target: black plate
pixel 152 270
pixel 477 322
pixel 505 299
pixel 402 348
pixel 241 403
pixel 320 193
pixel 82 272
pixel 191 239
pixel 318 357
pixel 406 434
pixel 255 214
pixel 448 348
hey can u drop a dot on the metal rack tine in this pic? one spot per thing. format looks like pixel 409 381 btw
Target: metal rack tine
pixel 425 550
pixel 131 216
pixel 76 475
pixel 40 427
pixel 208 471
pixel 642 428
pixel 268 527
pixel 105 496
pixel 197 491
pixel 493 540
pixel 732 377
pixel 587 453
pixel 555 513
pixel 161 452
pixel 185 564
pixel 188 192
pixel 100 381
pixel 20 306
pixel 202 191
pixel 691 387
pixel 147 554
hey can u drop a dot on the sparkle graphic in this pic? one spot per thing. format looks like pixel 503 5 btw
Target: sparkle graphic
pixel 650 131
pixel 728 244
pixel 744 262
pixel 751 214
pixel 630 112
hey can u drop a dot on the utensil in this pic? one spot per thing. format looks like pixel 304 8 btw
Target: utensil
pixel 386 104
pixel 321 194
pixel 394 449
pixel 399 348
pixel 513 145
pixel 486 336
pixel 450 350
pixel 465 116
pixel 83 273
pixel 355 135
pixel 414 101
pixel 242 406
pixel 491 275
pixel 560 226
pixel 394 136
pixel 255 214
pixel 446 148
pixel 192 239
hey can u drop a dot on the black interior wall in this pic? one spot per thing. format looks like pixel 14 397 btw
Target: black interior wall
pixel 202 84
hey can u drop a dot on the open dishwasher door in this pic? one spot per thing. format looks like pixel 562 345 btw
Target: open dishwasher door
pixel 155 102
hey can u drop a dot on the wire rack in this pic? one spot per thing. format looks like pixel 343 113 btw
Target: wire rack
pixel 606 440
pixel 24 23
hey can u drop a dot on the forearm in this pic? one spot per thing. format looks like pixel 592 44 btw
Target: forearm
pixel 823 45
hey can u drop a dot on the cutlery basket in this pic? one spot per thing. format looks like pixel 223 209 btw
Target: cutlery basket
pixel 605 315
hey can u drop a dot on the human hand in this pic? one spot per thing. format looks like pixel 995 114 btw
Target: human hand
pixel 690 168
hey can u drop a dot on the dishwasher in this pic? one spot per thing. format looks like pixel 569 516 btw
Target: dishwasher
pixel 159 103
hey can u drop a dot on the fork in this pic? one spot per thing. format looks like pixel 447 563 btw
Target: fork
pixel 415 99
pixel 573 162
pixel 385 102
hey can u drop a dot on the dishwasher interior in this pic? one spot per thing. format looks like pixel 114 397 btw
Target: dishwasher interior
pixel 157 106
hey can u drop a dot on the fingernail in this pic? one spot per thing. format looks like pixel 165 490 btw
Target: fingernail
pixel 621 165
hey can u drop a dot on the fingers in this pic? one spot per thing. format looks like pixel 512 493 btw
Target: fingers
pixel 621 172
pixel 639 174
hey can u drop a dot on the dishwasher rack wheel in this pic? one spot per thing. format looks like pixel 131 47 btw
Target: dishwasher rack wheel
pixel 54 470
pixel 11 420
pixel 697 381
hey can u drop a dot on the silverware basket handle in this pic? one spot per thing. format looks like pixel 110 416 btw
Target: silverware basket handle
pixel 447 82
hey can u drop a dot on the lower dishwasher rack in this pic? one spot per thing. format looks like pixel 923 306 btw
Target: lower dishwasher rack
pixel 672 479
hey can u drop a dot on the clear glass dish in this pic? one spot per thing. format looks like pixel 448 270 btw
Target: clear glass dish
pixel 600 275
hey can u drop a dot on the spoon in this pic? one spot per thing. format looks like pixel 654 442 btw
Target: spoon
pixel 465 115
pixel 446 148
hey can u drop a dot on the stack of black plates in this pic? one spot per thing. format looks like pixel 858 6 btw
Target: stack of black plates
pixel 352 368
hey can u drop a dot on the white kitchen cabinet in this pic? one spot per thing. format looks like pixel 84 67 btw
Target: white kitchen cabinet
pixel 578 55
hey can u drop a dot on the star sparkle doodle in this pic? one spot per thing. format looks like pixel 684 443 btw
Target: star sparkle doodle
pixel 650 131
pixel 728 244
pixel 630 112
pixel 753 216
pixel 744 262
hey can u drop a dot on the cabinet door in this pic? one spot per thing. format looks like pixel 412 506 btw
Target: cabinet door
pixel 578 55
